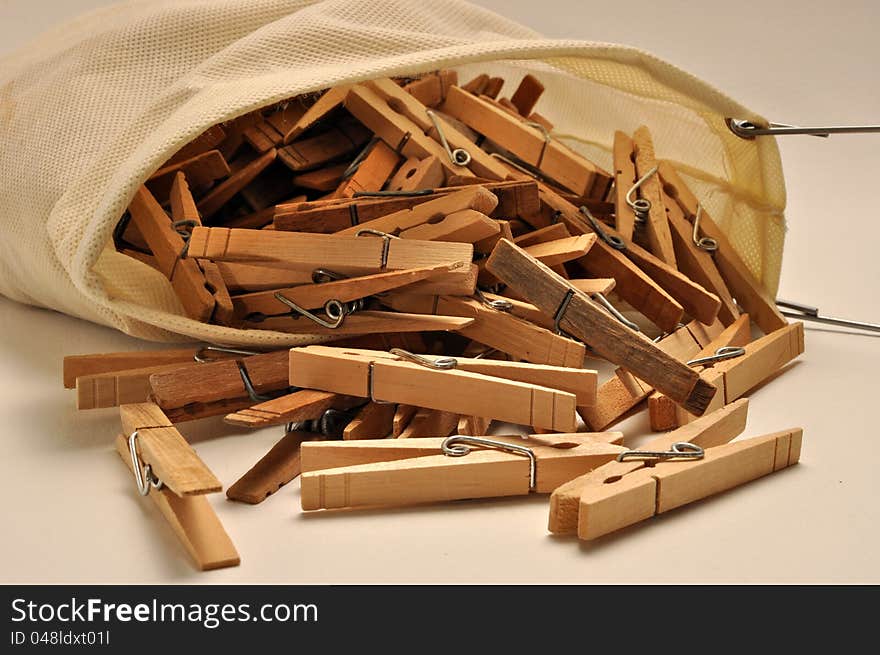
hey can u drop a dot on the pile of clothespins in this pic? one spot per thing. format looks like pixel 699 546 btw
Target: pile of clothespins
pixel 467 266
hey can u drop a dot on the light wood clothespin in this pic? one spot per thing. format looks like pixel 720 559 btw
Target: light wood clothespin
pixel 614 499
pixel 495 328
pixel 244 171
pixel 663 413
pixel 575 313
pixel 368 172
pixel 527 94
pixel 710 430
pixel 348 255
pixel 76 366
pixel 452 385
pixel 373 421
pixel 382 472
pixel 201 171
pixel 758 361
pixel 296 407
pixel 207 140
pixel 272 131
pixel 343 139
pixel 749 293
pixel 328 103
pixel 417 174
pixel 651 194
pixel 168 470
pixel 431 89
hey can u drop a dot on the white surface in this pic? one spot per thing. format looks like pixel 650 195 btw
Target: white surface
pixel 71 514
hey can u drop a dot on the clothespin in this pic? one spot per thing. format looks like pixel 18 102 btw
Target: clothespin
pixel 694 257
pixel 296 407
pixel 576 314
pixel 242 278
pixel 413 130
pixel 348 255
pixel 362 322
pixel 324 179
pixel 663 413
pixel 169 471
pixel 649 208
pixel 514 198
pixel 493 326
pixel 243 171
pixel 169 249
pixel 201 171
pixel 430 423
pixel 431 89
pixel 749 294
pixel 616 497
pixel 272 131
pixel 345 138
pixel 339 290
pixel 527 94
pixel 709 430
pixel 502 390
pixel 368 171
pixel 417 174
pixel 207 140
pixel 221 387
pixel 737 372
pixel 373 421
pixel 77 366
pixel 532 145
pixel 401 472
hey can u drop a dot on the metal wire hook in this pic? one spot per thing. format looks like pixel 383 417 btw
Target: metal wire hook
pixel 704 243
pixel 748 130
pixel 386 242
pixel 457 446
pixel 678 450
pixel 356 162
pixel 199 355
pixel 334 309
pixel 612 240
pixel 725 352
pixel 640 206
pixel 501 304
pixel 439 364
pixel 143 473
pixel 808 313
pixel 459 156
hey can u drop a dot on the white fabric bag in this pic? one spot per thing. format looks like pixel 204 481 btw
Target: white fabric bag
pixel 89 110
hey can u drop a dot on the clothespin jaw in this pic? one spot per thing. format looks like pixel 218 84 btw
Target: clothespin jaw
pixel 381 472
pixel 168 471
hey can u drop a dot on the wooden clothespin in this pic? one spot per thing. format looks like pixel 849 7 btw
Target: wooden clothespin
pixel 527 94
pixel 615 497
pixel 207 140
pixel 243 171
pixel 329 102
pixel 531 145
pixel 344 290
pixel 663 413
pixel 514 198
pixel 710 430
pixel 214 388
pixel 430 423
pixel 368 172
pixel 373 421
pixel 501 390
pixel 415 174
pixel 324 179
pixel 169 249
pixel 401 472
pixel 276 128
pixel 168 470
pixel 201 171
pixel 650 190
pixel 431 89
pixel 575 313
pixel 363 322
pixel 296 407
pixel 242 278
pixel 749 293
pixel 347 255
pixel 414 130
pixel 77 366
pixel 344 139
pixel 495 328
pixel 736 373
pixel 472 198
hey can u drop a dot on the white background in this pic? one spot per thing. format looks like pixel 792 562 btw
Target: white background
pixel 71 513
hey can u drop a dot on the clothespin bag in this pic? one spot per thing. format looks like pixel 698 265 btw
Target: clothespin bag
pixel 91 109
